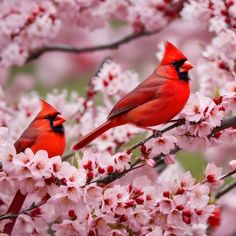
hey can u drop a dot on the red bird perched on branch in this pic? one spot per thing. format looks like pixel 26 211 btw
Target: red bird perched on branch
pixel 154 101
pixel 45 132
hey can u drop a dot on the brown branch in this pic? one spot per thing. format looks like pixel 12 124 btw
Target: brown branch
pixel 70 49
pixel 110 178
pixel 156 134
pixel 225 189
pixel 232 172
pixel 139 162
pixel 114 45
pixel 109 46
pixel 225 124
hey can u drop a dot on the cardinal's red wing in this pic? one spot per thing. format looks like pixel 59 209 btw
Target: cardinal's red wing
pixel 27 139
pixel 148 90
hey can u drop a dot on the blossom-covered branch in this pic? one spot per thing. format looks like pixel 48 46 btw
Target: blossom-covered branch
pixel 111 46
pixel 227 123
pixel 157 133
pixel 24 211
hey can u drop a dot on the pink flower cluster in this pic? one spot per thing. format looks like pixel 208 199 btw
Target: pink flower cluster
pixel 220 53
pixel 202 115
pixel 111 80
pixel 26 26
pixel 73 206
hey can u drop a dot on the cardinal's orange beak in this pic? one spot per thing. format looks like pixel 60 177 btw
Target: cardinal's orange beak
pixel 186 66
pixel 59 120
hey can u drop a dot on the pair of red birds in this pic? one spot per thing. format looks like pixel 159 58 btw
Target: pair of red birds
pixel 154 101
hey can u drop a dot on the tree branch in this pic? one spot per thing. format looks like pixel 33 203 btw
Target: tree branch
pixel 157 134
pixel 70 49
pixel 225 189
pixel 114 45
pixel 225 124
pixel 232 172
pixel 9 215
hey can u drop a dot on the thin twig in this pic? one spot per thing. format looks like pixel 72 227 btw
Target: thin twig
pixel 232 172
pixel 225 189
pixel 25 211
pixel 90 94
pixel 156 134
pixel 136 165
pixel 110 178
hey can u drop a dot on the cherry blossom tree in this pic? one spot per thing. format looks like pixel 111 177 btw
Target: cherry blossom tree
pixel 127 182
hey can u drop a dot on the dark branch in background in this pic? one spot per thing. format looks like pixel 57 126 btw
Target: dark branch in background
pixel 109 46
pixel 114 45
pixel 225 189
pixel 70 49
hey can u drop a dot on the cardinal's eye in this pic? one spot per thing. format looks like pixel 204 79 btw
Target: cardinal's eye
pixel 48 117
pixel 174 63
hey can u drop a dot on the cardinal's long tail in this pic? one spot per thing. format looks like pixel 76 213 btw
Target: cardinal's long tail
pixel 94 134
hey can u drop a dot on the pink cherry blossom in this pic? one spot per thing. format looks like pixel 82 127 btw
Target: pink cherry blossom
pixel 68 227
pixel 212 174
pixel 40 165
pixel 166 206
pixel 196 107
pixel 233 164
pixel 199 196
pixel 169 159
pixel 162 144
pixel 111 80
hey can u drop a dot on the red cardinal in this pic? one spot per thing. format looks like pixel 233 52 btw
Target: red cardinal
pixel 45 132
pixel 154 101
